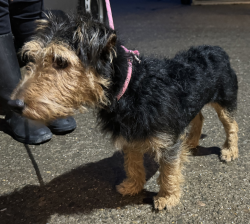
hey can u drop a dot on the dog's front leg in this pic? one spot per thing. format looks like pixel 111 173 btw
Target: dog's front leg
pixel 135 171
pixel 170 178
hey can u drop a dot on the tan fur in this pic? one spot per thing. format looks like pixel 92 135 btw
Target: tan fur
pixel 133 165
pixel 170 178
pixel 136 177
pixel 77 85
pixel 133 161
pixel 195 131
pixel 170 181
pixel 230 148
pixel 110 46
pixel 170 172
pixel 78 35
pixel 41 24
pixel 154 145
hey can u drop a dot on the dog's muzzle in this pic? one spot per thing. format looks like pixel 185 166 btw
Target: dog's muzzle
pixel 16 105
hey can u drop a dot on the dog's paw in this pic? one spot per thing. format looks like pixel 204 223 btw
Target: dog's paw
pixel 168 202
pixel 129 187
pixel 228 155
pixel 160 202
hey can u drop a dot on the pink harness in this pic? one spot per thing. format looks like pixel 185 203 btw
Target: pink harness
pixel 134 54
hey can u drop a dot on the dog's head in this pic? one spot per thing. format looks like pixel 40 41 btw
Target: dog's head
pixel 68 66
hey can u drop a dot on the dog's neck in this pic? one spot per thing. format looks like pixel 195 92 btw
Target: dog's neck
pixel 131 56
pixel 120 69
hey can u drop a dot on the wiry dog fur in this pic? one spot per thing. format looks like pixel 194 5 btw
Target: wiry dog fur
pixel 80 62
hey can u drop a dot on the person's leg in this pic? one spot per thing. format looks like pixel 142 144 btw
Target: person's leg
pixel 23 14
pixel 21 129
pixel 4 17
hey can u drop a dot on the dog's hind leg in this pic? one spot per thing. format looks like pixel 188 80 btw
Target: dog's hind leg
pixel 135 171
pixel 230 148
pixel 193 137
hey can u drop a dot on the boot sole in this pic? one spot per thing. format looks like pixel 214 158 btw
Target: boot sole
pixel 64 130
pixel 30 141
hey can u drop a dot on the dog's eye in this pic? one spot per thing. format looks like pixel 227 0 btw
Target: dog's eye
pixel 60 63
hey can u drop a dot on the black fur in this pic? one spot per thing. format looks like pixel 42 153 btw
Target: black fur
pixel 164 95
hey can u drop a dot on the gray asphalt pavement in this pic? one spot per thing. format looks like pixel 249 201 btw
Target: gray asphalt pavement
pixel 71 179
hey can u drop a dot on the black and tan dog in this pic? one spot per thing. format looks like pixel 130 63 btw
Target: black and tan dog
pixel 80 62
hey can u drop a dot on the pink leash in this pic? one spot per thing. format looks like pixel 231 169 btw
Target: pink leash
pixel 109 12
pixel 125 86
pixel 129 52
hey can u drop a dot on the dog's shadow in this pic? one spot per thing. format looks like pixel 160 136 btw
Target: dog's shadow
pixel 205 151
pixel 3 125
pixel 79 191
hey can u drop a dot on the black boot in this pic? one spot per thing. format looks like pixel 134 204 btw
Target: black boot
pixel 25 130
pixel 21 129
pixel 62 125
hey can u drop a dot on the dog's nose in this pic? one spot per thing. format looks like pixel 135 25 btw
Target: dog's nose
pixel 16 105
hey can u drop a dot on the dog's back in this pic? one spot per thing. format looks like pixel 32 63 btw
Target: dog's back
pixel 204 75
pixel 165 95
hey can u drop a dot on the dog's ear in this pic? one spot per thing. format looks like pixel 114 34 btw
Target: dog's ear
pixel 41 24
pixel 97 46
pixel 110 44
pixel 93 40
pixel 109 50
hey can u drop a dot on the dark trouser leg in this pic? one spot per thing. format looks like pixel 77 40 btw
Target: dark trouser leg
pixel 4 17
pixel 9 70
pixel 21 129
pixel 23 14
